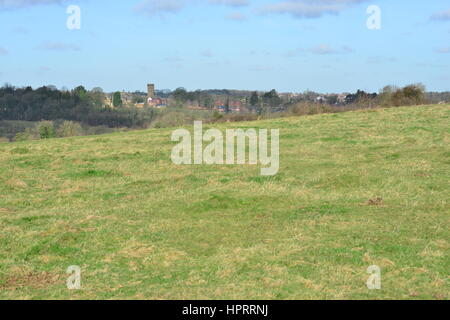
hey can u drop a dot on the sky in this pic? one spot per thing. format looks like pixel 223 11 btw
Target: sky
pixel 288 45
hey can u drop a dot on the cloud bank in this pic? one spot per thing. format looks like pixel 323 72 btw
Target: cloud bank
pixel 441 16
pixel 309 9
pixel 17 4
pixel 154 7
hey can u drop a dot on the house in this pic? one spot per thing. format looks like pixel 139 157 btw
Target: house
pixel 233 106
pixel 156 102
pixel 321 99
pixel 342 97
pixel 221 109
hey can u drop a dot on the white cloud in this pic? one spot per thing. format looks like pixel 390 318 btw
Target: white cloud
pixel 21 30
pixel 207 53
pixel 442 16
pixel 44 69
pixel 231 3
pixel 236 16
pixel 309 8
pixel 323 49
pixel 59 46
pixel 157 6
pixel 442 50
pixel 347 49
pixel 154 7
pixel 381 60
pixel 16 4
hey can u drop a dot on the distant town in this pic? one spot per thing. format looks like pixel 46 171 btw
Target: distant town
pixel 237 101
pixel 28 113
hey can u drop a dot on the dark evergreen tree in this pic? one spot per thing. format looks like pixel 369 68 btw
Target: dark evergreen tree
pixel 117 99
pixel 254 99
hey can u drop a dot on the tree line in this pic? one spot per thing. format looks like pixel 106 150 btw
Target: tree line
pixel 90 107
pixel 79 104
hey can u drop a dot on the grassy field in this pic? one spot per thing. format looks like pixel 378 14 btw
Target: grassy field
pixel 354 189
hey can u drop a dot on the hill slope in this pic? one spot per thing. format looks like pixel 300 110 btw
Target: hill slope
pixel 142 227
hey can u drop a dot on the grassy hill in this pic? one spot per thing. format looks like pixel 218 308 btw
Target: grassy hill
pixel 354 189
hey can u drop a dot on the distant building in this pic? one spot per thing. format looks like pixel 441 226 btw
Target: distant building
pixel 126 97
pixel 155 102
pixel 236 106
pixel 342 97
pixel 321 99
pixel 152 100
pixel 233 106
pixel 151 91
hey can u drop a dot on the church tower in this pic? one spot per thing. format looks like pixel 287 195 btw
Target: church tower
pixel 151 91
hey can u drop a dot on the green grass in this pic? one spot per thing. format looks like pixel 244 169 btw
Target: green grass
pixel 143 228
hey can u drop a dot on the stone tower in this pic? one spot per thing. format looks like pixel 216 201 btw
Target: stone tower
pixel 151 91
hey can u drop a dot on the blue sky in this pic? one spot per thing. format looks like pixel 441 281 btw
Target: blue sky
pixel 289 45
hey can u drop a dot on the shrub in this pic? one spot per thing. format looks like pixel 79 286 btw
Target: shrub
pixel 22 136
pixel 27 134
pixel 46 130
pixel 217 116
pixel 69 129
pixel 410 95
pixel 301 109
pixel 242 117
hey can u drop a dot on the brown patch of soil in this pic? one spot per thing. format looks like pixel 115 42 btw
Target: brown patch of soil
pixel 375 202
pixel 30 280
pixel 17 183
pixel 6 210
